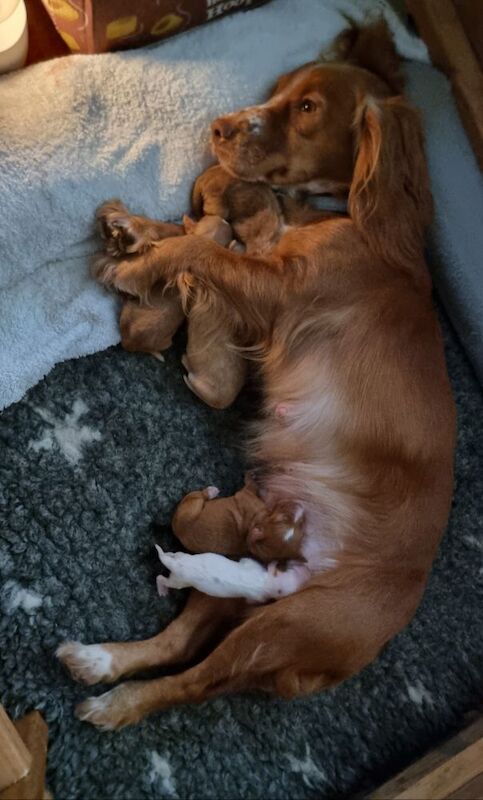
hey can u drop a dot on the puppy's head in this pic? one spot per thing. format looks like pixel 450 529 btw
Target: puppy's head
pixel 278 533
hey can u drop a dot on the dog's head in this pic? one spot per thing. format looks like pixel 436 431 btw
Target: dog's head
pixel 304 133
pixel 336 126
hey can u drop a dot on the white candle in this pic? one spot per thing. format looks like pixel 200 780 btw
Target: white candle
pixel 13 35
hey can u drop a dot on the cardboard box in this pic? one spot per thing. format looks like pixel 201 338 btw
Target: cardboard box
pixel 95 26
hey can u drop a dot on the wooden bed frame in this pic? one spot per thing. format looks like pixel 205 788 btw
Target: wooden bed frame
pixel 453 32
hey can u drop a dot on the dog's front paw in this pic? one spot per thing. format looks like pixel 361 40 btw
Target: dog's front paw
pixel 119 229
pixel 113 709
pixel 104 270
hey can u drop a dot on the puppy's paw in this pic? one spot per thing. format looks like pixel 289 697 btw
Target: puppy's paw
pixel 111 710
pixel 91 663
pixel 162 585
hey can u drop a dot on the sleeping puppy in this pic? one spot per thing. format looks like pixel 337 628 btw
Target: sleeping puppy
pixel 216 371
pixel 246 217
pixel 240 525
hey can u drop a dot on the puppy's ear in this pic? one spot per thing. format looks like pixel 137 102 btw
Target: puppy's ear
pixel 373 49
pixel 255 535
pixel 188 224
pixel 389 199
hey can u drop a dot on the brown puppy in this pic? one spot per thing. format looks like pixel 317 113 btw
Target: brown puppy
pixel 353 354
pixel 277 535
pixel 215 370
pixel 200 518
pixel 239 525
pixel 252 209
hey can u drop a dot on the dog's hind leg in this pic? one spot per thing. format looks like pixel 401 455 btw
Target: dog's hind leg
pixel 301 644
pixel 179 642
pixel 252 656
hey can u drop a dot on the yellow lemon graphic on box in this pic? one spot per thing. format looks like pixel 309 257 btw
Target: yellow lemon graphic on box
pixel 166 24
pixel 119 28
pixel 63 10
pixel 69 40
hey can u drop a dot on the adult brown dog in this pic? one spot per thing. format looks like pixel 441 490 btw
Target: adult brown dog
pixel 354 356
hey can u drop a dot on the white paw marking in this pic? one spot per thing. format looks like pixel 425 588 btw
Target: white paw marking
pixel 67 434
pixel 212 492
pixel 95 706
pixel 90 662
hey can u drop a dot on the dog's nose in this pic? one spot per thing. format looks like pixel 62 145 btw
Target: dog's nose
pixel 223 128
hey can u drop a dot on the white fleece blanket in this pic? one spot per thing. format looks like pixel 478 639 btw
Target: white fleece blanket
pixel 78 130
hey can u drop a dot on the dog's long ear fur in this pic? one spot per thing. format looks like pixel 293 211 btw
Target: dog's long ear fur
pixel 390 199
pixel 373 49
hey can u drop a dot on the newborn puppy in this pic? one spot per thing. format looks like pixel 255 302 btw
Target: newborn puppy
pixel 215 370
pixel 223 521
pixel 227 207
pixel 278 534
pixel 212 226
pixel 219 576
pixel 252 209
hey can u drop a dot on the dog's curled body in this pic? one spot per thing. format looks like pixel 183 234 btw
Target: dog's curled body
pixel 358 422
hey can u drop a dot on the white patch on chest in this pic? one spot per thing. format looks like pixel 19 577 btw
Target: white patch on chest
pixel 67 434
pixel 162 774
pixel 289 534
pixel 312 776
pixel 15 597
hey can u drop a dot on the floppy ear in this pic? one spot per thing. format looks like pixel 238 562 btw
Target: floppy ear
pixel 390 199
pixel 373 49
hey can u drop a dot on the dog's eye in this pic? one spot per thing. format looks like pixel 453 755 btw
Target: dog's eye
pixel 307 106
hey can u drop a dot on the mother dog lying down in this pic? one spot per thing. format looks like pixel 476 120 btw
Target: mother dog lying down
pixel 354 353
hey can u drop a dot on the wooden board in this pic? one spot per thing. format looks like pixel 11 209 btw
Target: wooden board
pixel 32 731
pixel 15 759
pixel 454 770
pixel 441 27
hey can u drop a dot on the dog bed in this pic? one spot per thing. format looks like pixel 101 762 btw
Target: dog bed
pixel 78 130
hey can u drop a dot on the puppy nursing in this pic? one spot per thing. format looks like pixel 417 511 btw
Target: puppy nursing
pixel 218 576
pixel 236 526
pixel 215 370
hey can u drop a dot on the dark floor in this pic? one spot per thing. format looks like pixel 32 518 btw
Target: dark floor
pixel 90 459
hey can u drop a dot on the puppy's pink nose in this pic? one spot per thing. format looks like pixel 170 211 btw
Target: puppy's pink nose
pixel 223 128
